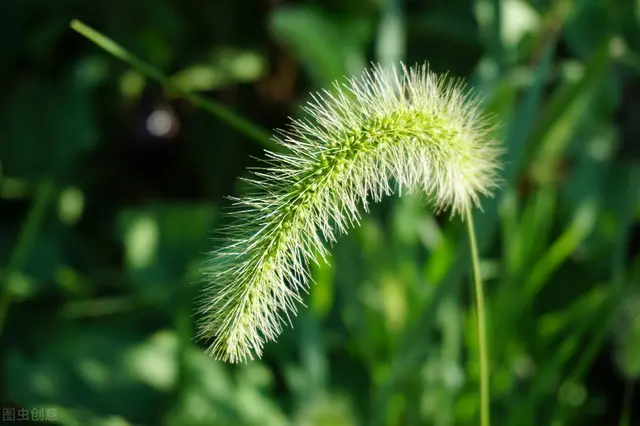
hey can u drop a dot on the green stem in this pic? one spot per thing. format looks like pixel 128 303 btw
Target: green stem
pixel 27 236
pixel 498 49
pixel 481 324
pixel 239 123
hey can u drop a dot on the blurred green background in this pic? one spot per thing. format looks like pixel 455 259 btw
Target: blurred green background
pixel 111 189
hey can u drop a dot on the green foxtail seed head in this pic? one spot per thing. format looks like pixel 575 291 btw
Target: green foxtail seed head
pixel 413 128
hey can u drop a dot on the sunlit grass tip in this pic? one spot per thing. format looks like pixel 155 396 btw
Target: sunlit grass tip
pixel 404 129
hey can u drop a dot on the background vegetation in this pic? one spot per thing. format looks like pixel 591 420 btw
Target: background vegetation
pixel 111 186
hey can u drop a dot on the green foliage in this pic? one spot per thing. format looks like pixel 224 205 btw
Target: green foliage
pixel 104 225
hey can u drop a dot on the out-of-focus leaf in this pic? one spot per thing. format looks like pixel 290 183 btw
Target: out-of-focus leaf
pixel 589 23
pixel 566 109
pixel 227 67
pixel 210 396
pixel 44 127
pixel 314 39
pixel 79 367
pixel 159 242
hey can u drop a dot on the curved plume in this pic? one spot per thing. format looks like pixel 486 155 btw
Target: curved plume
pixel 412 128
